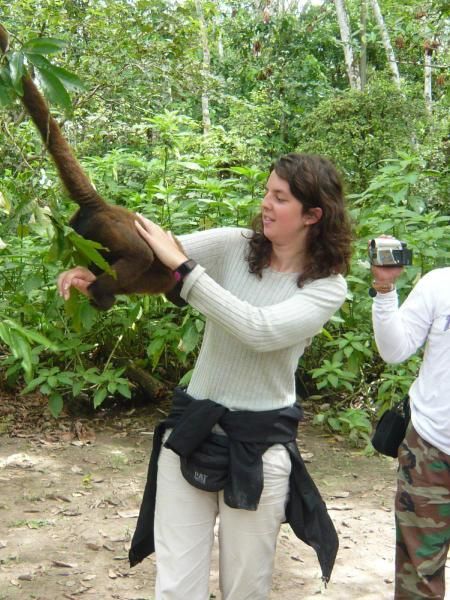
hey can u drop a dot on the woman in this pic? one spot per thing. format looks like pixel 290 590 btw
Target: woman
pixel 265 293
pixel 422 502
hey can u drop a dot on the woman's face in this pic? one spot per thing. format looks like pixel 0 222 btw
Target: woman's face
pixel 283 217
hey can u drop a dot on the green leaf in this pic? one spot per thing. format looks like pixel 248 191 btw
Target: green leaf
pixel 33 282
pixel 32 335
pixel 69 80
pixel 33 384
pixel 21 350
pixel 319 419
pixel 52 381
pixel 124 390
pixel 333 380
pixel 92 376
pixel 44 45
pixel 54 89
pixel 88 249
pixel 99 396
pixel 6 97
pixel 17 71
pixel 184 381
pixel 334 423
pixel 88 315
pixel 5 76
pixel 65 378
pixel 190 339
pixel 154 350
pixel 112 387
pixel 55 404
pixel 348 351
pixel 77 387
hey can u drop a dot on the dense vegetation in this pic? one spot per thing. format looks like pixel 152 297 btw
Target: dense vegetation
pixel 181 109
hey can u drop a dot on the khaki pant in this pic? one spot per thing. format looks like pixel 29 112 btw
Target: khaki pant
pixel 184 533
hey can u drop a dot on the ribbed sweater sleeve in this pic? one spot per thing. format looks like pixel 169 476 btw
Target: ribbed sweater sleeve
pixel 208 247
pixel 256 328
pixel 266 328
pixel 399 332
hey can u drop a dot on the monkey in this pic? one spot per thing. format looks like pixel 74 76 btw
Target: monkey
pixel 137 269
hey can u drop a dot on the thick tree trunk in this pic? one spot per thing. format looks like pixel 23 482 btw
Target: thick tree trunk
pixel 206 67
pixel 344 27
pixel 386 42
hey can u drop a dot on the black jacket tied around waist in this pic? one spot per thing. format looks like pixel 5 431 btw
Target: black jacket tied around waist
pixel 249 434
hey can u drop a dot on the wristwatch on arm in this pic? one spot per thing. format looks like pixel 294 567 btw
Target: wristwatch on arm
pixel 184 269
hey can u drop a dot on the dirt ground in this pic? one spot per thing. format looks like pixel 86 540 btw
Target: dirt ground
pixel 70 492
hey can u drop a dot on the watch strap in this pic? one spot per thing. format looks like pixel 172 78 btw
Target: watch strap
pixel 184 269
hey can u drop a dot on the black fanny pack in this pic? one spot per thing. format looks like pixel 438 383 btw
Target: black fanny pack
pixel 391 430
pixel 207 467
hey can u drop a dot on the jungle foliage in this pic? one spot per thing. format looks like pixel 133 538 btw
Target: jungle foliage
pixel 129 83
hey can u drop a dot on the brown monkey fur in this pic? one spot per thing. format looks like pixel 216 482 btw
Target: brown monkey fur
pixel 138 270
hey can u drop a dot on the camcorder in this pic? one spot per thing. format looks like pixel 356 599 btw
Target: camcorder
pixel 389 252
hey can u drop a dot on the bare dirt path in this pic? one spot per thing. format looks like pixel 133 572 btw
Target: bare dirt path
pixel 69 499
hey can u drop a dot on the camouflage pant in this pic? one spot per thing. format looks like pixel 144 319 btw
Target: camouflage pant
pixel 422 517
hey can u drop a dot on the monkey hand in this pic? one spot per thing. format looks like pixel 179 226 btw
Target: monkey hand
pixel 161 242
pixel 79 277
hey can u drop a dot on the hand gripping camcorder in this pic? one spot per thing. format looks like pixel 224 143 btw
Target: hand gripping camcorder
pixel 389 252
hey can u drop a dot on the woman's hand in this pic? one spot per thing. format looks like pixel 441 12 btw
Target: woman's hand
pixel 78 277
pixel 386 274
pixel 161 242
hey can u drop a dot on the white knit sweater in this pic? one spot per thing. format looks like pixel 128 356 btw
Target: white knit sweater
pixel 256 328
pixel 399 332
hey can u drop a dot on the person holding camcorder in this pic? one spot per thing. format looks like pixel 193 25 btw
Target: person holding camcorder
pixel 422 503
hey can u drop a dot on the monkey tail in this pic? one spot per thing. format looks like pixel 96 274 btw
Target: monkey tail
pixel 75 180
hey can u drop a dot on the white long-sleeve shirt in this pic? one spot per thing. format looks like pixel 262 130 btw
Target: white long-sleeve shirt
pixel 399 332
pixel 256 328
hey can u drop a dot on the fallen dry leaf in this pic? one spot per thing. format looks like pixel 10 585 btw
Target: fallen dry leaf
pixel 61 563
pixel 128 514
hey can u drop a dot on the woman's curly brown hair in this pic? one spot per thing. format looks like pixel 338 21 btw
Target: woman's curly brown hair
pixel 315 182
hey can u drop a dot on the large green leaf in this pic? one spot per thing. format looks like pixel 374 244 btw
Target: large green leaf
pixel 55 404
pixel 88 248
pixel 44 45
pixel 19 347
pixel 69 80
pixel 31 335
pixel 17 71
pixel 54 89
pixel 99 396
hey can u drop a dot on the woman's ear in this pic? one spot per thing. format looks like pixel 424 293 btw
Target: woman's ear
pixel 313 215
